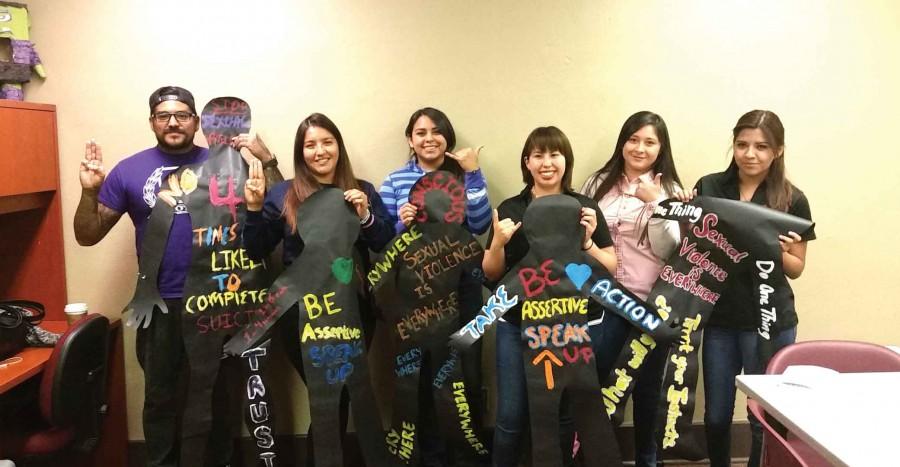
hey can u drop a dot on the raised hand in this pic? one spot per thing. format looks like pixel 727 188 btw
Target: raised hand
pixel 467 158
pixel 407 214
pixel 589 221
pixel 254 143
pixel 360 202
pixel 91 172
pixel 503 230
pixel 255 187
pixel 649 191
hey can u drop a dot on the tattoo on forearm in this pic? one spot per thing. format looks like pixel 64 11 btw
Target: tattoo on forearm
pixel 93 220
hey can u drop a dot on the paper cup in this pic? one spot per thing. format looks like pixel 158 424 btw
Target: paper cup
pixel 75 311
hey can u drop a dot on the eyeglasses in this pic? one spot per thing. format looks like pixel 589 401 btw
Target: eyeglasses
pixel 180 117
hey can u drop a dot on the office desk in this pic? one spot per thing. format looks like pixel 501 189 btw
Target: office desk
pixel 851 420
pixel 33 360
pixel 113 445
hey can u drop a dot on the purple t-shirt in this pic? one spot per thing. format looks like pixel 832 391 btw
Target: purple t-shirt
pixel 131 187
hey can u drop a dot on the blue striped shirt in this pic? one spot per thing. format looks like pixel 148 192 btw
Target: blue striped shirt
pixel 395 193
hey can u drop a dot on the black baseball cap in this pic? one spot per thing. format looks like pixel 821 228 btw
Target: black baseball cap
pixel 172 93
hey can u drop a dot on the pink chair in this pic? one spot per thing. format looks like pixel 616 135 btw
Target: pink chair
pixel 780 447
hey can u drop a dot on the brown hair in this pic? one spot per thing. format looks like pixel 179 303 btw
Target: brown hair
pixel 548 138
pixel 305 184
pixel 445 128
pixel 778 189
pixel 615 166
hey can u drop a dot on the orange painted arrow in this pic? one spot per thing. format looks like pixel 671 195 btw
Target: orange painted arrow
pixel 549 360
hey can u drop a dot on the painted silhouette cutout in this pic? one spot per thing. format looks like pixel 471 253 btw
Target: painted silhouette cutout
pixel 557 355
pixel 146 297
pixel 324 281
pixel 223 286
pixel 721 235
pixel 416 282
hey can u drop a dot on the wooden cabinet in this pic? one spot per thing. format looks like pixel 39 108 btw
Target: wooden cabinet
pixel 32 263
pixel 28 141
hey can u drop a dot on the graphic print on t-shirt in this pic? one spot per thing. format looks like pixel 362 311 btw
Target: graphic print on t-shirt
pixel 153 182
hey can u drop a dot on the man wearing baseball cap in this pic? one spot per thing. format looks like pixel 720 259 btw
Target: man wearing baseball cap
pixel 132 187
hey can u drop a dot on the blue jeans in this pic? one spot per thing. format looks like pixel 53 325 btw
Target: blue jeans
pixel 512 401
pixel 725 353
pixel 613 332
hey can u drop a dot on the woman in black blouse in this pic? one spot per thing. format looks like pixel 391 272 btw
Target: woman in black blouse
pixel 546 164
pixel 757 175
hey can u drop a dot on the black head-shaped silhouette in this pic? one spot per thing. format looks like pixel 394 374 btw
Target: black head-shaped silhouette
pixel 325 219
pixel 439 197
pixel 552 226
pixel 224 118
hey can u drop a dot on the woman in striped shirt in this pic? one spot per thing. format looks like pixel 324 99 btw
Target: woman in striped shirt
pixel 432 142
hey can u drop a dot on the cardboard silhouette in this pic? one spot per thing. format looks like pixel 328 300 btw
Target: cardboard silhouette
pixel 324 280
pixel 416 283
pixel 554 282
pixel 720 235
pixel 223 286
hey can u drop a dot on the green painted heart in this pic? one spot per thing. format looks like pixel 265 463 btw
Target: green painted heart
pixel 342 268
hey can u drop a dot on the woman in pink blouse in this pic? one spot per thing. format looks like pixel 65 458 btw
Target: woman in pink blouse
pixel 639 174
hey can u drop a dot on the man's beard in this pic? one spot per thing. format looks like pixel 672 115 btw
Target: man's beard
pixel 166 147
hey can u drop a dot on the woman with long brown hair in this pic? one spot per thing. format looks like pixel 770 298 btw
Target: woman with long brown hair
pixel 432 146
pixel 320 161
pixel 756 174
pixel 639 174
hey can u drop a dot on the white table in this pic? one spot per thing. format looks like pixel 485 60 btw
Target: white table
pixel 854 420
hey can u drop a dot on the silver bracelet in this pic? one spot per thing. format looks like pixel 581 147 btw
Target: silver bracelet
pixel 365 220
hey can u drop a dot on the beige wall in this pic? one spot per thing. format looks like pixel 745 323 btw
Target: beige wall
pixel 829 69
